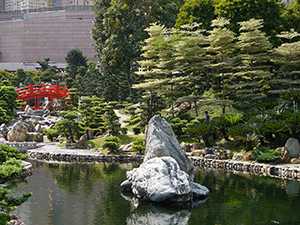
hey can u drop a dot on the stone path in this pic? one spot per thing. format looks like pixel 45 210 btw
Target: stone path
pixel 121 120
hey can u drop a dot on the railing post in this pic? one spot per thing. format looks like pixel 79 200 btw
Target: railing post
pixel 30 88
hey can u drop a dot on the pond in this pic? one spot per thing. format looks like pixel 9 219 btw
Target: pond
pixel 89 194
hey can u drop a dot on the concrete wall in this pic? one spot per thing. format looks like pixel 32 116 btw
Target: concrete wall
pixel 45 34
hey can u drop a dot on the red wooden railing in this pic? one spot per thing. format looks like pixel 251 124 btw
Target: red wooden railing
pixel 38 91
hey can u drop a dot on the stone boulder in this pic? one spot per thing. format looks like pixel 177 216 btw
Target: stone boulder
pixel 237 156
pixel 284 155
pixel 223 154
pixel 81 143
pixel 3 130
pixel 17 133
pixel 166 173
pixel 38 128
pixel 293 147
pixel 197 152
pixel 35 137
pixel 48 106
pixel 173 183
pixel 28 110
pixel 248 156
pixel 161 141
pixel 126 148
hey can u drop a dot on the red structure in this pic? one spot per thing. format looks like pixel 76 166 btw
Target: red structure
pixel 42 91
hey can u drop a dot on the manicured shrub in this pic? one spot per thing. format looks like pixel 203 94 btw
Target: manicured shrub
pixel 111 145
pixel 136 130
pixel 124 130
pixel 51 133
pixel 135 120
pixel 138 145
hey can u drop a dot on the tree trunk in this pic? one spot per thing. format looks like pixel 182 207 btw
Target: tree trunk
pixel 71 134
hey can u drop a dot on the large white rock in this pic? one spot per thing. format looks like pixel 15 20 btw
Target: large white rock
pixel 17 133
pixel 159 179
pixel 161 141
pixel 293 147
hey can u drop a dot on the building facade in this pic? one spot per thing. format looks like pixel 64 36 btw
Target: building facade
pixel 34 36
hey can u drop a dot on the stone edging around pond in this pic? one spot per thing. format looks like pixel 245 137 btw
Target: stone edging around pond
pixel 56 154
pixel 281 171
pixel 79 157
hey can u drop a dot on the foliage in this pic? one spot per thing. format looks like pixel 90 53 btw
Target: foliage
pixel 200 129
pixel 263 154
pixel 200 11
pixel 10 158
pixel 111 120
pixel 136 130
pixel 221 52
pixel 44 64
pixel 138 145
pixel 75 59
pixel 68 124
pixel 135 120
pixel 51 133
pixel 243 10
pixel 7 152
pixel 119 31
pixel 178 126
pixel 9 203
pixel 112 143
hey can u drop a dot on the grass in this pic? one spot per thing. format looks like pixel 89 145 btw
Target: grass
pixel 125 139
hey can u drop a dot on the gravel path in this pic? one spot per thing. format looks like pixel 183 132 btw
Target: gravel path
pixel 121 120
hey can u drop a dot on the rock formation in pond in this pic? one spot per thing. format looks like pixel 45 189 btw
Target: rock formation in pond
pixel 166 173
pixel 161 141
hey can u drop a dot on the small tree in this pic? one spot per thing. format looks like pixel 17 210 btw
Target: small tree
pixel 68 124
pixel 111 120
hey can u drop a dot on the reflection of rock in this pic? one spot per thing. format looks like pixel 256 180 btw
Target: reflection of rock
pixel 292 188
pixel 161 141
pixel 293 147
pixel 166 173
pixel 161 216
pixel 160 178
pixel 17 133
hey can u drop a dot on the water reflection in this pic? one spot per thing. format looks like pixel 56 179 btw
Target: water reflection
pixel 79 194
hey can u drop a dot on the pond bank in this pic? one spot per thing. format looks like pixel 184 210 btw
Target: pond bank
pixel 53 153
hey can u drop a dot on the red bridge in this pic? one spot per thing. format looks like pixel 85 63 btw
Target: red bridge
pixel 39 92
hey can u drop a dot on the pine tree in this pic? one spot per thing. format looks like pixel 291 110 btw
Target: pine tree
pixel 254 70
pixel 221 53
pixel 286 58
pixel 191 61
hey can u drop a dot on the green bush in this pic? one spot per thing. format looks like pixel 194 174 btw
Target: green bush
pixel 124 130
pixel 263 154
pixel 51 133
pixel 112 139
pixel 138 145
pixel 135 120
pixel 136 130
pixel 7 152
pixel 95 131
pixel 111 145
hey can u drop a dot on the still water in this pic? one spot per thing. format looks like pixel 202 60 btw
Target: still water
pixel 89 194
